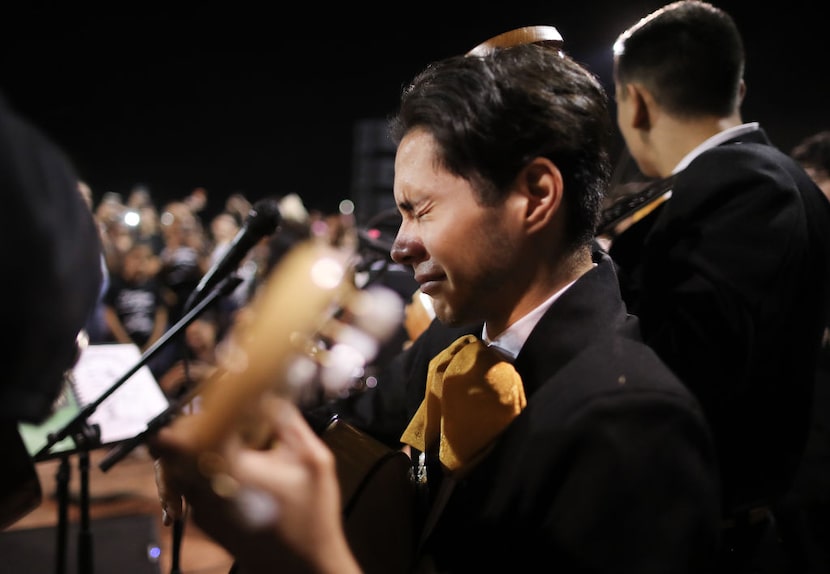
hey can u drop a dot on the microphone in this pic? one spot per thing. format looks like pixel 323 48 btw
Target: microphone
pixel 373 241
pixel 379 233
pixel 262 220
pixel 372 249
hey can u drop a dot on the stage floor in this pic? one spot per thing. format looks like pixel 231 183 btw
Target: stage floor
pixel 125 530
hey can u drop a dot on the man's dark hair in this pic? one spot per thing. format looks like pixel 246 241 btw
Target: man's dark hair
pixel 689 54
pixel 814 152
pixel 492 115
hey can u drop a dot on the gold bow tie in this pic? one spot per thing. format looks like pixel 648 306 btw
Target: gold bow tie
pixel 472 395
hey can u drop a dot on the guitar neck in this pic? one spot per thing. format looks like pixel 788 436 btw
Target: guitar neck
pixel 630 205
pixel 308 327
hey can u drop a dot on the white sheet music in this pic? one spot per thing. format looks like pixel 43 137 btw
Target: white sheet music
pixel 126 412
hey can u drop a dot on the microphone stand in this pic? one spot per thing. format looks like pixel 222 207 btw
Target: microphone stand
pixel 86 439
pixel 62 479
pixel 85 531
pixel 165 417
pixel 78 421
pixel 122 449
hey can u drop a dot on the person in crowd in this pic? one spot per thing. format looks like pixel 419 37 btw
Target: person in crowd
pixel 183 262
pixel 117 236
pixel 52 252
pixel 96 327
pixel 201 337
pixel 813 153
pixel 196 200
pixel 224 229
pixel 134 304
pixel 185 256
pixel 239 206
pixel 139 196
pixel 149 229
pixel 602 461
pixel 728 268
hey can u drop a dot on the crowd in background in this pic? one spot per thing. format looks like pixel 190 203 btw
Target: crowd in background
pixel 155 256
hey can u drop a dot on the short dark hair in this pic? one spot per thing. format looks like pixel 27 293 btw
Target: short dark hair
pixel 689 54
pixel 814 152
pixel 492 115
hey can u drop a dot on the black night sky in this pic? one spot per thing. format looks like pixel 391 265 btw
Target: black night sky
pixel 266 101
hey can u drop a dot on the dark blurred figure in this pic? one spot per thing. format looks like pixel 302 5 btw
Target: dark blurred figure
pixel 807 506
pixel 184 260
pixel 813 153
pixel 52 258
pixel 185 257
pixel 116 235
pixel 96 327
pixel 729 266
pixel 134 305
pixel 222 230
pixel 238 205
pixel 142 220
pixel 199 363
pixel 197 200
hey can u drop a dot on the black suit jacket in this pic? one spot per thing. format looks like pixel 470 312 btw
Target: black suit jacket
pixel 610 468
pixel 729 279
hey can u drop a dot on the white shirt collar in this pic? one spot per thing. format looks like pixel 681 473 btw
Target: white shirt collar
pixel 713 141
pixel 513 339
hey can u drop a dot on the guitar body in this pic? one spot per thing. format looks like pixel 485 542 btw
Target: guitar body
pixel 20 491
pixel 378 499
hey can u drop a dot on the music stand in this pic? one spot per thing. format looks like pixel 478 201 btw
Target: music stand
pixel 86 437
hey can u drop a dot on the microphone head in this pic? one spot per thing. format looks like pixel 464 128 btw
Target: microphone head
pixel 379 233
pixel 373 241
pixel 264 218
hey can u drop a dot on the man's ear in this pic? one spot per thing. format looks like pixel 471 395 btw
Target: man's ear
pixel 741 91
pixel 541 183
pixel 643 106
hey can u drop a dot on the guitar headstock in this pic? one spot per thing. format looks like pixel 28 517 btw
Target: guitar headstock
pixel 308 329
pixel 541 35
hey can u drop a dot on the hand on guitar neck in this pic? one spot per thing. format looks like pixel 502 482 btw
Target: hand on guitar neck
pixel 308 326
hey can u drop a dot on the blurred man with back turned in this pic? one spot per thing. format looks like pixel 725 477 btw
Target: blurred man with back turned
pixel 728 271
pixel 52 260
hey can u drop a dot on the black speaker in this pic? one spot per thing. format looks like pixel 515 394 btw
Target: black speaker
pixel 122 544
pixel 373 169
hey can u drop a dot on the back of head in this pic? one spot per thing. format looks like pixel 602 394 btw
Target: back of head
pixel 52 257
pixel 813 152
pixel 689 54
pixel 491 115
